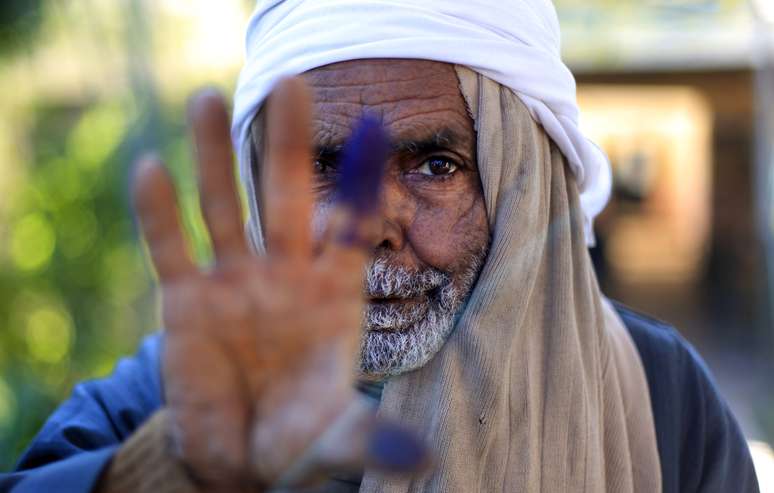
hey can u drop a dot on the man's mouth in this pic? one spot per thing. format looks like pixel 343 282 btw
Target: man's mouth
pixel 398 300
pixel 390 313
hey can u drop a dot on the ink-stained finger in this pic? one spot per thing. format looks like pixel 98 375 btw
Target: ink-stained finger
pixel 360 181
pixel 155 202
pixel 362 167
pixel 287 172
pixel 348 241
pixel 217 185
pixel 359 438
pixel 353 224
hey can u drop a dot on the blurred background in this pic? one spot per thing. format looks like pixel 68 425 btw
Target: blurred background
pixel 680 94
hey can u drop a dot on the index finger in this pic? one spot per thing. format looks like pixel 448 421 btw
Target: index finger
pixel 353 224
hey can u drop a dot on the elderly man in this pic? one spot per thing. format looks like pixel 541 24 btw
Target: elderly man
pixel 479 330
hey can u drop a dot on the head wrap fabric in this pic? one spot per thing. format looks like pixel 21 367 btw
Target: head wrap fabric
pixel 514 42
pixel 539 388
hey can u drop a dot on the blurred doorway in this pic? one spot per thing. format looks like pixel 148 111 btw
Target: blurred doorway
pixel 679 240
pixel 656 228
pixel 653 238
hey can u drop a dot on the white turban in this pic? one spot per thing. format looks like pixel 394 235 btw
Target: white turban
pixel 514 42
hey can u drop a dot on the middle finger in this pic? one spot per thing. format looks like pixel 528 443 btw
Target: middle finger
pixel 287 174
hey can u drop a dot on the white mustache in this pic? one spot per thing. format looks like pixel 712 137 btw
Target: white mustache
pixel 386 281
pixel 401 337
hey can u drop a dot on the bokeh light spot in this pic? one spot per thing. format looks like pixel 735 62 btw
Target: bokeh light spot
pixel 32 242
pixel 49 334
pixel 97 135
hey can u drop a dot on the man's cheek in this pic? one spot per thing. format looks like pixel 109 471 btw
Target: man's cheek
pixel 472 223
pixel 434 239
pixel 444 235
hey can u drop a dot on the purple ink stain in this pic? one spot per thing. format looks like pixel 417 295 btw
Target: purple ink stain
pixel 394 449
pixel 363 162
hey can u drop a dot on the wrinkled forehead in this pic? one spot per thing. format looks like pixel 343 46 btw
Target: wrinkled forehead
pixel 415 99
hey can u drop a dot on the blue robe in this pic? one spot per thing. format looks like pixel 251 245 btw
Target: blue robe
pixel 700 444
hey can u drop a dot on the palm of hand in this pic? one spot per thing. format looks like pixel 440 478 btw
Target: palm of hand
pixel 260 352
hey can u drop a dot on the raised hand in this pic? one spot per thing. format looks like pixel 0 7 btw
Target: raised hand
pixel 260 352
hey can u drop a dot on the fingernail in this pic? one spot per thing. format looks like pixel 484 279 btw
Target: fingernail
pixel 393 448
pixel 362 166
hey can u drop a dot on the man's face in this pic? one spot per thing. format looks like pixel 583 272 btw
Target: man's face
pixel 434 230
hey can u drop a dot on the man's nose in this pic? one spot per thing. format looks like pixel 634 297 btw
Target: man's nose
pixel 395 216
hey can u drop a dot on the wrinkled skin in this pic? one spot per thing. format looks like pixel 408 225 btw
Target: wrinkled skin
pixel 260 352
pixel 426 219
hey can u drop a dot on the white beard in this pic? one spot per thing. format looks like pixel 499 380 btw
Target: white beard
pixel 399 339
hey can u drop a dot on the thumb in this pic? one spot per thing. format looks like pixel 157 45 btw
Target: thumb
pixel 357 439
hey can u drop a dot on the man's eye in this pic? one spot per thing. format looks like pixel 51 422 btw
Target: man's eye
pixel 438 166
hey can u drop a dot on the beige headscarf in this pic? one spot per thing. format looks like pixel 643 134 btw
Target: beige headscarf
pixel 539 388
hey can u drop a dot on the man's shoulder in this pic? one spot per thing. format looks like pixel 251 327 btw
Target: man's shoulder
pixel 663 350
pixel 700 443
pixel 674 369
pixel 650 333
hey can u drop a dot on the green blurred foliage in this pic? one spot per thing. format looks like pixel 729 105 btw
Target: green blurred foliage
pixel 76 289
pixel 71 263
pixel 75 285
